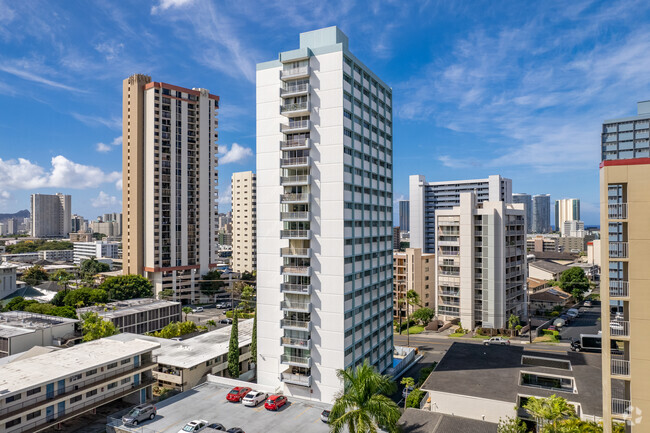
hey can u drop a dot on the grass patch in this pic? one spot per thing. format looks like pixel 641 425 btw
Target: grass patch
pixel 548 337
pixel 482 337
pixel 414 330
pixel 457 335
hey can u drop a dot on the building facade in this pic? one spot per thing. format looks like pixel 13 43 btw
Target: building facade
pixel 138 316
pixel 573 228
pixel 51 215
pixel 481 262
pixel 404 215
pixel 47 390
pixel 415 271
pixel 427 197
pixel 7 279
pixel 566 209
pixel 20 331
pixel 542 213
pixel 244 218
pixel 324 238
pixel 543 243
pixel 170 184
pixel 625 254
pixel 98 250
pixel 56 255
pixel 527 200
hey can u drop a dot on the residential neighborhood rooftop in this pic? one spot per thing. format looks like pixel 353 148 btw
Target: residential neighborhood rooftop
pixel 126 308
pixel 548 266
pixel 13 323
pixel 424 421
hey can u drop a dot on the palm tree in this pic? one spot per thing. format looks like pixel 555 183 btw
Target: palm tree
pixel 548 412
pixel 513 321
pixel 211 323
pixel 187 310
pixel 408 382
pixel 363 406
pixel 412 300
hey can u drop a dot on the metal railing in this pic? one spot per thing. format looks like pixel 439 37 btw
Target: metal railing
pixel 621 406
pixel 294 88
pixel 298 124
pixel 301 179
pixel 295 197
pixel 295 341
pixel 617 211
pixel 294 72
pixel 284 234
pixel 303 252
pixel 299 160
pixel 294 215
pixel 296 142
pixel 620 367
pixel 619 328
pixel 298 306
pixel 298 288
pixel 618 250
pixel 301 270
pixel 302 360
pixel 288 323
pixel 296 106
pixel 299 379
pixel 619 288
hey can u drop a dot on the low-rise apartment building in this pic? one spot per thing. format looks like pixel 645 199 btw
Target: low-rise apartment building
pixel 138 316
pixel 56 255
pixel 7 279
pixel 542 243
pixel 98 250
pixel 45 390
pixel 184 364
pixel 413 270
pixel 20 331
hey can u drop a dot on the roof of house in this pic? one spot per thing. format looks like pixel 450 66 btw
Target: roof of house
pixel 548 266
pixel 127 307
pixel 550 294
pixel 553 255
pixel 473 370
pixel 423 421
pixel 534 283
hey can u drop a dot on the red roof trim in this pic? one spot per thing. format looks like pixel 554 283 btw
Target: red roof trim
pixel 632 161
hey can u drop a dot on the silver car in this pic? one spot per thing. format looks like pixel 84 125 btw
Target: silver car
pixel 139 414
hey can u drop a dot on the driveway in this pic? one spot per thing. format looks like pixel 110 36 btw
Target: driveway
pixel 586 323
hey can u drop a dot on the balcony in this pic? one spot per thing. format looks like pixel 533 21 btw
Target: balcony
pixel 620 367
pixel 619 289
pixel 297 325
pixel 618 250
pixel 300 161
pixel 300 307
pixel 289 90
pixel 294 216
pixel 295 144
pixel 295 180
pixel 295 73
pixel 619 328
pixel 303 271
pixel 621 407
pixel 296 379
pixel 296 126
pixel 617 211
pixel 295 109
pixel 295 197
pixel 297 361
pixel 295 234
pixel 301 289
pixel 299 343
pixel 295 252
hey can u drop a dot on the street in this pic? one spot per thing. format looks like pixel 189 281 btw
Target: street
pixel 586 323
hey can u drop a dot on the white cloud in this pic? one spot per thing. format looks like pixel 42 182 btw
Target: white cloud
pixel 31 76
pixel 112 122
pixel 225 197
pixel 102 147
pixel 109 49
pixel 24 174
pixel 167 4
pixel 118 184
pixel 104 200
pixel 236 153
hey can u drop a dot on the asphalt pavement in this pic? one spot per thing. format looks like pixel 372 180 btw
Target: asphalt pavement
pixel 586 323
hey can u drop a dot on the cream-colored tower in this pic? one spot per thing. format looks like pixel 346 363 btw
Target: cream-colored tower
pixel 413 270
pixel 244 234
pixel 169 184
pixel 625 279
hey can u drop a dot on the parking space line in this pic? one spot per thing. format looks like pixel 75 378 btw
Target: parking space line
pixel 306 409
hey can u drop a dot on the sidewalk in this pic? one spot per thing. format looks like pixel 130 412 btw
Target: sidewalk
pixel 444 336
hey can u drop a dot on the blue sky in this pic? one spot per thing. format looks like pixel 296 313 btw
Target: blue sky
pixel 479 87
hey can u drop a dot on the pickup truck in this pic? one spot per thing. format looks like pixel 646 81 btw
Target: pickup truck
pixel 497 340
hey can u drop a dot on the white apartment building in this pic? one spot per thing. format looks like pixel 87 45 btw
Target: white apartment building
pixel 46 390
pixel 7 279
pixel 427 197
pixel 51 215
pixel 324 233
pixel 481 255
pixel 574 229
pixel 244 217
pixel 566 209
pixel 170 184
pixel 20 331
pixel 138 316
pixel 98 250
pixel 56 255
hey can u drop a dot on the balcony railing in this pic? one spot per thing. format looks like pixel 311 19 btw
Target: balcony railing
pixel 295 234
pixel 295 180
pixel 618 250
pixel 297 342
pixel 294 107
pixel 295 252
pixel 294 216
pixel 296 270
pixel 293 197
pixel 619 289
pixel 617 211
pixel 301 361
pixel 298 324
pixel 304 307
pixel 296 126
pixel 303 289
pixel 294 88
pixel 296 379
pixel 294 72
pixel 620 367
pixel 295 162
pixel 621 407
pixel 295 143
pixel 619 328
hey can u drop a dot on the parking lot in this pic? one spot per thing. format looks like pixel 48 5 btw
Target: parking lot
pixel 586 323
pixel 208 402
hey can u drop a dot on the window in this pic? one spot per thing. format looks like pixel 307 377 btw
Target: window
pixel 33 415
pixel 13 398
pixel 111 385
pixel 33 391
pixel 125 381
pixel 91 372
pixel 75 399
pixel 111 365
pixel 12 423
pixel 125 361
pixel 91 393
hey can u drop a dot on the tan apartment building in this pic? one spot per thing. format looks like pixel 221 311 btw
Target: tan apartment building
pixel 244 215
pixel 170 184
pixel 625 254
pixel 413 270
pixel 542 243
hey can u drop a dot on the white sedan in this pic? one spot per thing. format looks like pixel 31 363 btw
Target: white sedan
pixel 254 398
pixel 194 426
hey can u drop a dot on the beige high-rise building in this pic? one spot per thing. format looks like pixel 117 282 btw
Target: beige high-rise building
pixel 244 233
pixel 625 254
pixel 169 184
pixel 413 270
pixel 51 215
pixel 566 209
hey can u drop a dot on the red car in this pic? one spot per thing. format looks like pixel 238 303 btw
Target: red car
pixel 237 393
pixel 275 402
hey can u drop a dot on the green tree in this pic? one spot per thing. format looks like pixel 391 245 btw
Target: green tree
pixel 513 321
pixel 84 296
pixel 35 275
pixel 233 348
pixel 165 294
pixel 408 382
pixel 424 315
pixel 59 298
pixel 91 267
pixel 363 405
pixel 62 279
pixel 18 304
pixel 247 294
pixel 125 287
pixel 415 398
pixel 186 311
pixel 511 425
pixel 248 276
pixel 412 300
pixel 176 329
pixel 574 279
pixel 211 323
pixel 549 412
pixel 211 283
pixel 94 327
pixel 254 339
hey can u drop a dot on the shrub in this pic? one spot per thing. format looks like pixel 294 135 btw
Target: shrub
pixel 425 372
pixel 555 313
pixel 240 315
pixel 414 398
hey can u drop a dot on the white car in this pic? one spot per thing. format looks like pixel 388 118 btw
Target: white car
pixel 198 310
pixel 254 398
pixel 497 340
pixel 406 391
pixel 194 426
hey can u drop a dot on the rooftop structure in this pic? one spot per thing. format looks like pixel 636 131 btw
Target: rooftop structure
pixel 20 331
pixel 138 315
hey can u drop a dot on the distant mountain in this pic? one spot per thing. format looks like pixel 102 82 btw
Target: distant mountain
pixel 20 215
